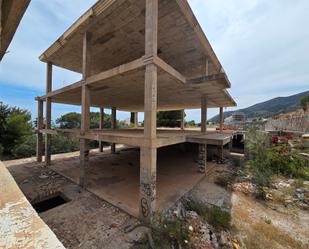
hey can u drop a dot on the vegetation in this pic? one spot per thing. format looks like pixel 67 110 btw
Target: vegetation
pixel 304 102
pixel 213 215
pixel 16 128
pixel 267 160
pixel 18 140
pixel 169 119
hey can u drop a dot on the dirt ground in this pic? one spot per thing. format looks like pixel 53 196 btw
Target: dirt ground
pixel 256 224
pixel 87 221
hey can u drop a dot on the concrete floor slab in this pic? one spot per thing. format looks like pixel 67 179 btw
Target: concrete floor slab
pixel 115 177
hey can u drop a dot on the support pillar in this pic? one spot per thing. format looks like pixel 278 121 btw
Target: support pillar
pixel 113 124
pixel 148 153
pixel 101 126
pixel 39 143
pixel 204 114
pixel 135 119
pixel 202 154
pixel 202 158
pixel 221 117
pixel 49 70
pixel 182 121
pixel 85 112
pixel 84 143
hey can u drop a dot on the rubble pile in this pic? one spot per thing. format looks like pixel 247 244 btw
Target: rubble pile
pixel 202 234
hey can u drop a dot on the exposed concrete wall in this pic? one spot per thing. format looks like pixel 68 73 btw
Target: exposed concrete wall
pixel 20 225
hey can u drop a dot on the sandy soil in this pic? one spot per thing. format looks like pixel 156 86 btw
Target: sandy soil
pixel 256 225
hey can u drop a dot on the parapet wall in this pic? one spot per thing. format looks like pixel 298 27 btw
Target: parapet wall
pixel 20 225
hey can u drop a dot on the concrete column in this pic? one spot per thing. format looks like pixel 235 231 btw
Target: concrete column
pixel 85 112
pixel 204 114
pixel 182 121
pixel 202 158
pixel 135 119
pixel 113 124
pixel 85 127
pixel 101 126
pixel 49 73
pixel 39 143
pixel 221 117
pixel 148 153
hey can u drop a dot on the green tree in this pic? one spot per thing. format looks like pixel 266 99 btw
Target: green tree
pixel 4 113
pixel 169 119
pixel 191 123
pixel 304 102
pixel 72 120
pixel 17 127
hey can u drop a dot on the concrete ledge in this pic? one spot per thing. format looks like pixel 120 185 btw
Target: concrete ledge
pixel 20 225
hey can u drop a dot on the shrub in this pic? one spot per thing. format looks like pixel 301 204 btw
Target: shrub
pixel 213 215
pixel 266 160
pixel 1 151
pixel 27 148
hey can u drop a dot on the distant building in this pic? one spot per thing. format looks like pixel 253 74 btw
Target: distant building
pixel 236 119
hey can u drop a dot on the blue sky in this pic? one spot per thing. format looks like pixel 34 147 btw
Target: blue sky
pixel 263 46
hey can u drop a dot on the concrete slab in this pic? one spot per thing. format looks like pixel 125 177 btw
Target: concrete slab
pixel 115 177
pixel 20 225
pixel 85 221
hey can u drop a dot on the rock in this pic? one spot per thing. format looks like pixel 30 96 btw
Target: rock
pixel 222 241
pixel 300 196
pixel 269 196
pixel 284 184
pixel 303 206
pixel 192 215
pixel 43 176
pixel 300 190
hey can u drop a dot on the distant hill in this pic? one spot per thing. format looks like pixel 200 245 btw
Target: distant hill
pixel 269 108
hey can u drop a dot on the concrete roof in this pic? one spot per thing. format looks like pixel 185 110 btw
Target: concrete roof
pixel 11 13
pixel 117 31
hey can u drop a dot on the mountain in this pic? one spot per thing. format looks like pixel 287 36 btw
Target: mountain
pixel 269 108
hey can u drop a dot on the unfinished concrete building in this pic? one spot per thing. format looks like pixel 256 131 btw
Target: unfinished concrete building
pixel 136 56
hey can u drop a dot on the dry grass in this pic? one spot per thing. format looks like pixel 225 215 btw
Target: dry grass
pixel 263 235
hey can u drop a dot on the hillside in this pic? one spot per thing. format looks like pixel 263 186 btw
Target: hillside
pixel 269 108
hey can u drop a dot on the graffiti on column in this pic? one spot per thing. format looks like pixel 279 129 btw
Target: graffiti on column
pixel 148 190
pixel 145 207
